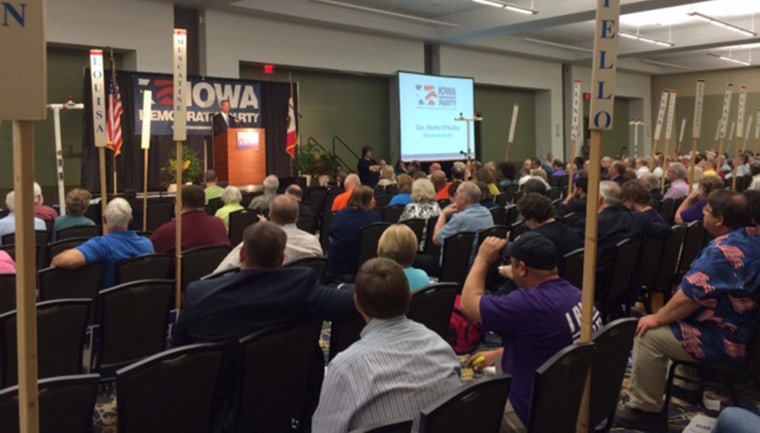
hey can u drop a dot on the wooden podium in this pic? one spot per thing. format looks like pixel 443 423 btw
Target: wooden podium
pixel 240 156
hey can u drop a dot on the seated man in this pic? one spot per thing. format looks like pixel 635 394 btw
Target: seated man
pixel 538 212
pixel 535 321
pixel 296 193
pixel 212 190
pixel 350 184
pixel 8 223
pixel 711 318
pixel 466 215
pixel 198 228
pixel 283 211
pixel 396 369
pixel 120 243
pixel 260 203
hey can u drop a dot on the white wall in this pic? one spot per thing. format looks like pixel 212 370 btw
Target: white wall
pixel 503 70
pixel 230 39
pixel 637 87
pixel 144 27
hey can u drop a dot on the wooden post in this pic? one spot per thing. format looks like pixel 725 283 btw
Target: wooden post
pixel 697 126
pixel 178 235
pixel 180 135
pixel 664 167
pixel 115 177
pixel 571 171
pixel 103 185
pixel 145 190
pixel 693 160
pixel 26 274
pixel 738 144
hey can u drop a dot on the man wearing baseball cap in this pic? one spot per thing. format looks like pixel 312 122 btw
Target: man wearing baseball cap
pixel 535 321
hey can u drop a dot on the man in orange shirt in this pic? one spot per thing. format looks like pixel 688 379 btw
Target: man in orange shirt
pixel 438 178
pixel 341 201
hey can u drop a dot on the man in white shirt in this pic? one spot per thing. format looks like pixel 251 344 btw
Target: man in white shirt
pixel 283 211
pixel 642 167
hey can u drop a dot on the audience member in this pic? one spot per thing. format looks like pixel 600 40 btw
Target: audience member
pixel 387 177
pixel 212 190
pixel 615 172
pixel 535 321
pixel 399 243
pixel 343 257
pixel 41 211
pixel 453 187
pixel 576 202
pixel 754 169
pixel 119 244
pixel 691 208
pixel 368 168
pixel 198 228
pixel 423 206
pixel 77 202
pixel 7 265
pixel 605 163
pixel 434 166
pixel 535 185
pixel 486 176
pixel 486 199
pixel 8 223
pixel 350 184
pixel 404 195
pixel 294 191
pixel 677 174
pixel 735 419
pixel 283 211
pixel 753 201
pixel 642 167
pixel 538 213
pixel 466 215
pixel 711 318
pixel 260 203
pixel 508 174
pixel 396 369
pixel 637 199
pixel 231 199
pixel 438 178
pixel 653 185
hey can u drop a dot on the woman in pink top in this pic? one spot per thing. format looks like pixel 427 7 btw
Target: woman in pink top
pixel 7 265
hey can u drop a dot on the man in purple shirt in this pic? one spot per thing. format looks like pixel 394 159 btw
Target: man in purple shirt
pixel 535 321
pixel 677 174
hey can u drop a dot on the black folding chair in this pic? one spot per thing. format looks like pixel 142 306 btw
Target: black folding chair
pixel 369 236
pixel 61 328
pixel 319 264
pixel 81 283
pixel 474 408
pixel 7 292
pixel 239 221
pixel 172 391
pixel 456 257
pixel 41 238
pixel 650 259
pixel 66 404
pixel 558 388
pixel 512 214
pixel 517 230
pixel 344 334
pixel 159 213
pixel 499 214
pixel 692 246
pixel 418 227
pixel 199 262
pixel 145 267
pixel 263 405
pixel 432 306
pixel 667 272
pixel 391 214
pixel 393 426
pixel 307 223
pixel 430 247
pixel 571 267
pixel 214 205
pixel 554 193
pixel 117 345
pixel 61 245
pixel 612 345
pixel 668 209
pixel 86 232
pixel 324 230
pixel 621 291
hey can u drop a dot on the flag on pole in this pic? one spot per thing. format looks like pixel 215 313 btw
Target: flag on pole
pixel 292 141
pixel 115 110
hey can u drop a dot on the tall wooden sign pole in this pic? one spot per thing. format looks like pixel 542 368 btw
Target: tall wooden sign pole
pixel 757 132
pixel 723 125
pixel 668 136
pixel 603 80
pixel 181 93
pixel 23 86
pixel 145 145
pixel 512 127
pixel 100 134
pixel 699 97
pixel 575 126
pixel 739 140
pixel 658 129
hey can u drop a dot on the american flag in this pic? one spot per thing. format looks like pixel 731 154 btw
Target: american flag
pixel 115 139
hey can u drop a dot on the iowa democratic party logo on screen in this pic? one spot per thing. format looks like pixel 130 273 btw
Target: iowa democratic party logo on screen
pixel 436 96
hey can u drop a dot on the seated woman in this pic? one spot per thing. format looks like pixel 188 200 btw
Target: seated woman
pixel 387 177
pixel 343 256
pixel 485 175
pixel 399 244
pixel 691 208
pixel 486 199
pixel 231 199
pixel 636 197
pixel 77 201
pixel 7 265
pixel 423 205
pixel 508 172
pixel 404 196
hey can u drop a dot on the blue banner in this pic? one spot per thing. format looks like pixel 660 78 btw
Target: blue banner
pixel 205 97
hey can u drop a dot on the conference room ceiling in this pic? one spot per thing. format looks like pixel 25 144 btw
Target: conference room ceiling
pixel 561 30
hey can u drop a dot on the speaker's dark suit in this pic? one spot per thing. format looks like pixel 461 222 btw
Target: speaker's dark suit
pixel 220 127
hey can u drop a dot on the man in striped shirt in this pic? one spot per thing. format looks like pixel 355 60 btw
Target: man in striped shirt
pixel 395 370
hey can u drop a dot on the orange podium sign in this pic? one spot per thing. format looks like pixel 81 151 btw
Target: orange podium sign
pixel 240 156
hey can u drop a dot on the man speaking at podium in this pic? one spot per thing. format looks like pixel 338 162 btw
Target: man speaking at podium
pixel 223 119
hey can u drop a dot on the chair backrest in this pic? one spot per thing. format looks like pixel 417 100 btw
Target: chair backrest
pixel 554 193
pixel 369 236
pixel 500 231
pixel 650 259
pixel 324 230
pixel 517 230
pixel 7 292
pixel 172 391
pixel 393 426
pixel 159 212
pixel 307 223
pixel 432 306
pixel 86 232
pixel 61 326
pixel 269 402
pixel 81 283
pixel 119 323
pixel 61 245
pixel 612 345
pixel 391 214
pixel 382 199
pixel 418 227
pixel 66 404
pixel 571 267
pixel 503 199
pixel 344 334
pixel 558 388
pixel 214 205
pixel 666 272
pixel 430 247
pixel 626 264
pixel 234 270
pixel 456 257
pixel 474 408
pixel 239 221
pixel 41 238
pixel 499 214
pixel 145 267
pixel 198 262
pixel 512 214
pixel 692 245
pixel 319 264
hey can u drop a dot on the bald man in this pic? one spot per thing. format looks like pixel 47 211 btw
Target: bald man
pixel 351 183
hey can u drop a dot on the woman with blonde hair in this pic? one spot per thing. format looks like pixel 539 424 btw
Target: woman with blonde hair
pixel 423 205
pixel 399 243
pixel 231 197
